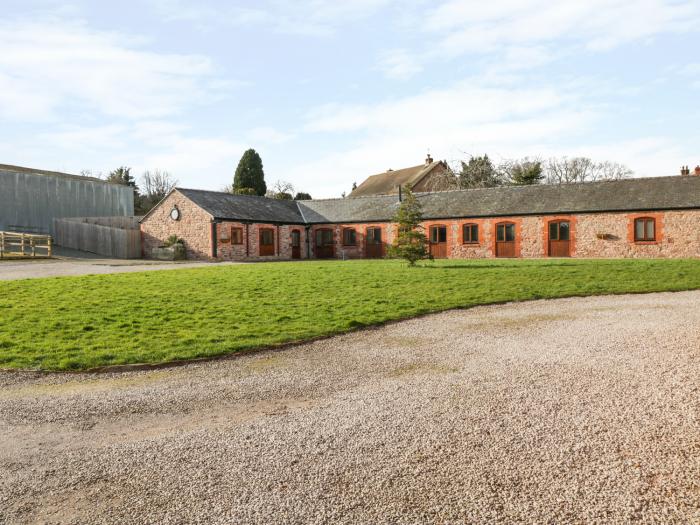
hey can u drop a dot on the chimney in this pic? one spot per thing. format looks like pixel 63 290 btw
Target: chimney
pixel 697 171
pixel 685 170
pixel 428 160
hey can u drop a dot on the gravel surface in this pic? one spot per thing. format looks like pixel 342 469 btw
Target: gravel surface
pixel 563 411
pixel 32 269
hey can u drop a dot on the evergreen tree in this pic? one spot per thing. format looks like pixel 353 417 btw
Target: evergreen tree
pixel 523 172
pixel 122 175
pixel 410 242
pixel 479 172
pixel 302 196
pixel 250 174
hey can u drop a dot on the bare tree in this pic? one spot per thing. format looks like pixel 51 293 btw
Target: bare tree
pixel 582 169
pixel 155 185
pixel 282 190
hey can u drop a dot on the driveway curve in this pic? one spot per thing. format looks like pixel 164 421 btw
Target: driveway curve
pixel 566 411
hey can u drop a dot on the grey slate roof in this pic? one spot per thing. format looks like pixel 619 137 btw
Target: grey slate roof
pixel 244 207
pixel 642 194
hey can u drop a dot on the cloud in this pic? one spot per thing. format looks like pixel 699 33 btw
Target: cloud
pixel 471 26
pixel 520 34
pixel 47 67
pixel 399 64
pixel 316 18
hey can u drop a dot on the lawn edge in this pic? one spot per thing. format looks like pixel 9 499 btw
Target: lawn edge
pixel 138 367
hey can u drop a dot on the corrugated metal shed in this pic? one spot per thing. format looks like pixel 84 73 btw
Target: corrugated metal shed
pixel 30 199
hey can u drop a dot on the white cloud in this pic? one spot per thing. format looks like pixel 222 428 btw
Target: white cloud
pixel 294 17
pixel 269 135
pixel 472 26
pixel 399 64
pixel 56 65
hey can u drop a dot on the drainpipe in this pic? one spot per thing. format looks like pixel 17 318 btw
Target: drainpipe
pixel 308 242
pixel 213 239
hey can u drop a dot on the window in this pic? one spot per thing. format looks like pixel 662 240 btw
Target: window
pixel 267 237
pixel 438 234
pixel 505 232
pixel 324 237
pixel 470 233
pixel 349 237
pixel 645 229
pixel 374 235
pixel 236 235
pixel 559 231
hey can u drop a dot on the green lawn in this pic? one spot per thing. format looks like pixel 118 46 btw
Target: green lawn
pixel 70 323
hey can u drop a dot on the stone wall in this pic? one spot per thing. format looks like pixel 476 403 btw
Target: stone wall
pixel 358 251
pixel 592 235
pixel 249 248
pixel 194 227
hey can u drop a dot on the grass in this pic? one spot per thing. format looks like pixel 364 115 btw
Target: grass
pixel 72 323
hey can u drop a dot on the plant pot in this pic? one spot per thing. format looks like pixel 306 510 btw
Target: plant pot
pixel 176 252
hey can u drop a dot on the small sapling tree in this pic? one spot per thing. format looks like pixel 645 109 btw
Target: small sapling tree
pixel 410 242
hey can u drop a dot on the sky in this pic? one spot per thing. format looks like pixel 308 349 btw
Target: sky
pixel 330 92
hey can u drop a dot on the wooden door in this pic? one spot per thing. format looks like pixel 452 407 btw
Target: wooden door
pixel 559 239
pixel 324 244
pixel 267 241
pixel 505 239
pixel 296 244
pixel 374 247
pixel 438 242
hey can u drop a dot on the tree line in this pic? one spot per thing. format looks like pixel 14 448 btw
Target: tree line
pixel 481 172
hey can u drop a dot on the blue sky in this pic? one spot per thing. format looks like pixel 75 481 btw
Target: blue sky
pixel 330 92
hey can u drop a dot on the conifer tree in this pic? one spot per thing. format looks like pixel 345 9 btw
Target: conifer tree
pixel 410 242
pixel 250 174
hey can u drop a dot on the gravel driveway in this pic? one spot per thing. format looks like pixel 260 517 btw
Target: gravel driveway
pixel 33 269
pixel 564 411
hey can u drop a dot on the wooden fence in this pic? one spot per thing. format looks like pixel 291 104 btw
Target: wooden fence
pixel 118 237
pixel 13 244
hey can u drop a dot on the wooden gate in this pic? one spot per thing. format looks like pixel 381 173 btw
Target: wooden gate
pixel 559 239
pixel 438 242
pixel 324 244
pixel 505 239
pixel 296 244
pixel 374 248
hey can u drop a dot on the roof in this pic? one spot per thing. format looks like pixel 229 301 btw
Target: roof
pixel 20 169
pixel 244 207
pixel 642 194
pixel 387 183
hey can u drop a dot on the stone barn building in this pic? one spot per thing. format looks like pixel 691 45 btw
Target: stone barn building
pixel 31 199
pixel 644 217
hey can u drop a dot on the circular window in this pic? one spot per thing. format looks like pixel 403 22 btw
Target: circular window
pixel 175 214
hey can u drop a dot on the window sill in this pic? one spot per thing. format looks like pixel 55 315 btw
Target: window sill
pixel 646 242
pixel 349 245
pixel 471 244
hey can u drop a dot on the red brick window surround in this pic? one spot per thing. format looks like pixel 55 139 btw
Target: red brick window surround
pixel 349 237
pixel 470 233
pixel 645 229
pixel 236 235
